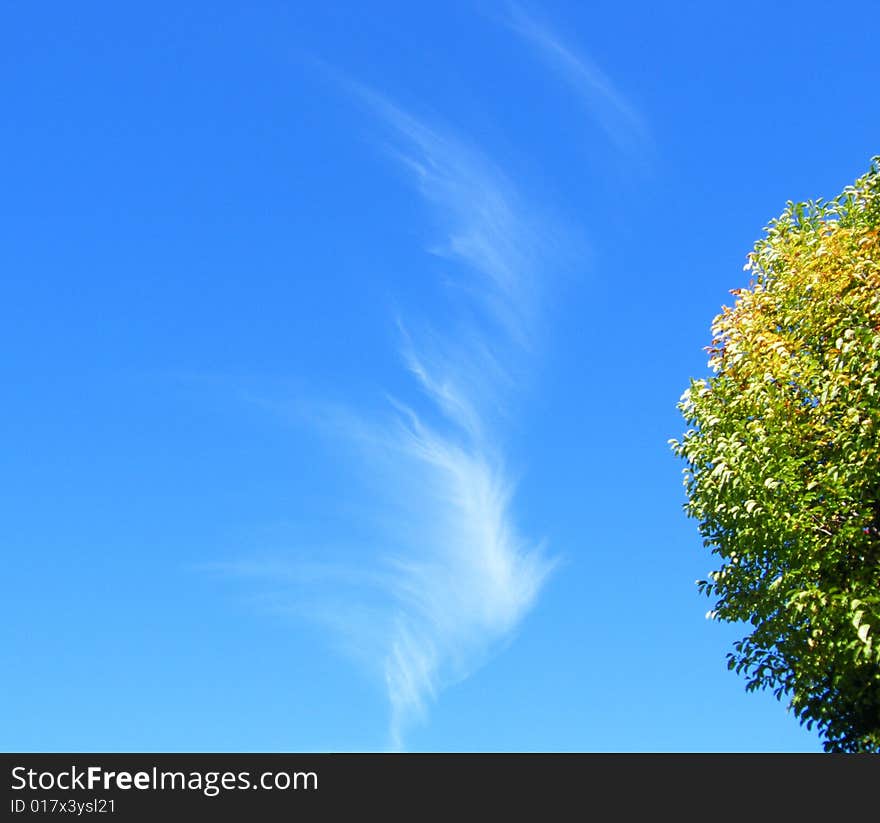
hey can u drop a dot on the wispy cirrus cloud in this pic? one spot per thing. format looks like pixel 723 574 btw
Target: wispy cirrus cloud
pixel 611 109
pixel 462 576
pixel 443 575
pixel 486 227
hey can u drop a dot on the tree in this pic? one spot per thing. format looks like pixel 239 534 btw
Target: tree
pixel 783 465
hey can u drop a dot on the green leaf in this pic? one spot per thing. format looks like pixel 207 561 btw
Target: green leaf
pixel 787 425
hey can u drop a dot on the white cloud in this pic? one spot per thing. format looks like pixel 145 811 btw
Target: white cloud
pixel 461 574
pixel 619 119
pixel 442 575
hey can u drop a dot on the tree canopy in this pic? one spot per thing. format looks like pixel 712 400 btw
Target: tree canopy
pixel 783 464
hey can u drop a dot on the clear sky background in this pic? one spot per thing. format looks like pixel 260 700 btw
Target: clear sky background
pixel 342 344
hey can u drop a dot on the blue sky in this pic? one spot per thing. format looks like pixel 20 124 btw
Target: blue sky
pixel 342 347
